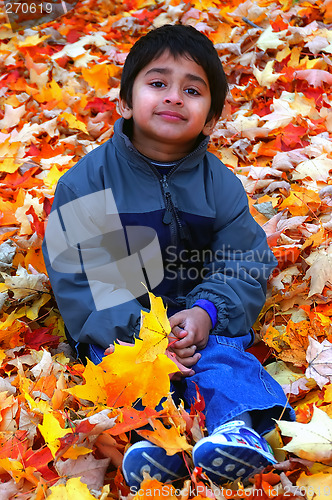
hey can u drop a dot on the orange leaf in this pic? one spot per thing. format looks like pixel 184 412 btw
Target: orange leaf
pixel 169 439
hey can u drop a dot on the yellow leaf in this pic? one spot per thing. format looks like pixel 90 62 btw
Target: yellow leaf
pixel 98 75
pixel 52 92
pixel 2 356
pixel 11 318
pixel 33 311
pixel 53 176
pixel 9 149
pixel 74 122
pixel 318 486
pixel 315 240
pixel 51 431
pixel 74 489
pixel 18 471
pixel 282 54
pixel 76 451
pixel 41 406
pixel 31 41
pixel 124 386
pixel 228 157
pixel 94 387
pixel 8 165
pixel 154 330
pixel 324 320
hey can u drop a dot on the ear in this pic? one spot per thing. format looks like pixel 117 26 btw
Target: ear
pixel 125 110
pixel 209 126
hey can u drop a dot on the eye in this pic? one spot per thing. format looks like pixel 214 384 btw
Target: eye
pixel 192 91
pixel 158 84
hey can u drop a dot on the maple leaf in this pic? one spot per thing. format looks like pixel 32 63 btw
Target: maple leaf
pixel 74 489
pixel 317 485
pixel 320 270
pixel 51 431
pixel 154 330
pixel 266 77
pixel 270 39
pixel 123 385
pixel 94 387
pixel 169 439
pixel 18 471
pixel 312 441
pixel 317 169
pixel 99 74
pixel 65 78
pixel 314 77
pixel 12 116
pixel 87 468
pixel 291 381
pixel 74 122
pixel 319 357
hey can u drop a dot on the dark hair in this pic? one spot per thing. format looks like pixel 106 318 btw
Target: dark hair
pixel 179 40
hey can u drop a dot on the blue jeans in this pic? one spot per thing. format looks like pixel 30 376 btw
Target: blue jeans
pixel 231 381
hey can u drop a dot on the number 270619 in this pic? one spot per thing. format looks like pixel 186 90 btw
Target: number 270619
pixel 28 8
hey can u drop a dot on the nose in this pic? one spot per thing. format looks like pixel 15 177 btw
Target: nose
pixel 173 97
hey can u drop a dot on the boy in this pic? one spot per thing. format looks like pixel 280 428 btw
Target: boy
pixel 152 206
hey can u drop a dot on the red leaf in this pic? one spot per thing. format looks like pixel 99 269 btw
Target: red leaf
pixel 40 459
pixel 37 225
pixel 39 338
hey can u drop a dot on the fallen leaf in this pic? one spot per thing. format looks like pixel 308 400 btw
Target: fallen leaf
pixel 87 468
pixel 319 357
pixel 312 441
pixel 51 431
pixel 169 439
pixel 320 270
pixel 74 489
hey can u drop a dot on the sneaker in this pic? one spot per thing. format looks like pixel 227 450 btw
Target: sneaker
pixel 233 451
pixel 147 457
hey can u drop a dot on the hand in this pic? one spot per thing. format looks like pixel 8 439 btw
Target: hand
pixel 192 329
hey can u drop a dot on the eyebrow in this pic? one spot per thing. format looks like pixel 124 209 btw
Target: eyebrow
pixel 166 71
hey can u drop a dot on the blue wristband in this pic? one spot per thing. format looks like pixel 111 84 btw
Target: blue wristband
pixel 210 308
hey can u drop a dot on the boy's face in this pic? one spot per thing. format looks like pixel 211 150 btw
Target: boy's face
pixel 171 100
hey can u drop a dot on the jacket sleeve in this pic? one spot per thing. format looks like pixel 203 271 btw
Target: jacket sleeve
pixel 239 266
pixel 93 300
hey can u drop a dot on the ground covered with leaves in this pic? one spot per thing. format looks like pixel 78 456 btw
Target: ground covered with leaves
pixel 64 427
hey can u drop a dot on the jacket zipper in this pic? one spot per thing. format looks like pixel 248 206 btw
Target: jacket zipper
pixel 171 217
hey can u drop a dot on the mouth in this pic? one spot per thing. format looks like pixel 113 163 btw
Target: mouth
pixel 171 115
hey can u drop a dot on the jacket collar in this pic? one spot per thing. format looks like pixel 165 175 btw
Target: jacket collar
pixel 126 148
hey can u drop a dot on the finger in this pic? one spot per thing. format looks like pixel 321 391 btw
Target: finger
pixel 191 361
pixel 179 332
pixel 177 319
pixel 185 353
pixel 184 342
pixel 176 377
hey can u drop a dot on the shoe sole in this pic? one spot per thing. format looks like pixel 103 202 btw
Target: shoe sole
pixel 228 463
pixel 147 457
